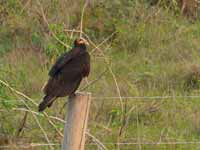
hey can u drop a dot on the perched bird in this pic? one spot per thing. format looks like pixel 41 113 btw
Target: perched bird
pixel 66 74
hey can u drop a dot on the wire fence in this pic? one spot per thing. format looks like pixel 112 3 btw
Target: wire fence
pixel 29 145
pixel 149 97
pixel 169 97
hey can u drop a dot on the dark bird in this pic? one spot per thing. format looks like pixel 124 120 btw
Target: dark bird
pixel 66 74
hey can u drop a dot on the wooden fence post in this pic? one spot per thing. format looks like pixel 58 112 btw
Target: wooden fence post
pixel 75 127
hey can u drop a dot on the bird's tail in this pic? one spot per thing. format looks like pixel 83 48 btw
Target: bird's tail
pixel 46 102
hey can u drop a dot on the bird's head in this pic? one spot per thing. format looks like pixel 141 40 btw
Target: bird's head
pixel 81 42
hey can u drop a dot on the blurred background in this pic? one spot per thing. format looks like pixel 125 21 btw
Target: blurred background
pixel 145 75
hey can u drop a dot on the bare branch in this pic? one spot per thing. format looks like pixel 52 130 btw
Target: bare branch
pixel 82 15
pixel 46 21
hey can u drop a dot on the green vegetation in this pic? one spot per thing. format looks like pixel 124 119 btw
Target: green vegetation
pixel 152 50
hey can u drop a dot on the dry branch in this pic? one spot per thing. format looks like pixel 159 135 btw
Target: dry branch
pixel 31 100
pixel 25 103
pixel 22 125
pixel 82 15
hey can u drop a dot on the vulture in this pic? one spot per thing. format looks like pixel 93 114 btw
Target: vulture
pixel 66 74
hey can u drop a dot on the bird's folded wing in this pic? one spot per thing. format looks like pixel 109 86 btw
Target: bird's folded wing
pixel 61 62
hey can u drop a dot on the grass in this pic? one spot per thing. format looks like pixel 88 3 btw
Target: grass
pixel 153 53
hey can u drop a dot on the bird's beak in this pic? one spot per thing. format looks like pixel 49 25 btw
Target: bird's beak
pixel 87 43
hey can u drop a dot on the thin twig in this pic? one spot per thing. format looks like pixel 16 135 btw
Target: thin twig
pixel 39 114
pixel 104 41
pixel 82 15
pixel 22 124
pixel 102 146
pixel 72 34
pixel 27 3
pixel 94 81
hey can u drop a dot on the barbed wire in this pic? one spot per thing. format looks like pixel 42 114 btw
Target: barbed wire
pixel 154 143
pixel 149 97
pixel 106 143
pixel 29 145
pixel 127 97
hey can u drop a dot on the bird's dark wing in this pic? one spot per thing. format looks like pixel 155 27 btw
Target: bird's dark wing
pixel 62 60
pixel 86 67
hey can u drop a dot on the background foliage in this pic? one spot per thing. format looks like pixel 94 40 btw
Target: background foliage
pixel 153 51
